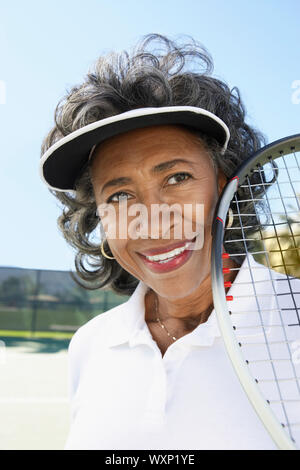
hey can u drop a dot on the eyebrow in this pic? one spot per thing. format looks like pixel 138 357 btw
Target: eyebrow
pixel 155 170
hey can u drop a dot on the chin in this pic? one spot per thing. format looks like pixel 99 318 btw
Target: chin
pixel 176 290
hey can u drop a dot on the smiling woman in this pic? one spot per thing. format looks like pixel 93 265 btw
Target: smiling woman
pixel 120 82
pixel 146 131
pixel 142 156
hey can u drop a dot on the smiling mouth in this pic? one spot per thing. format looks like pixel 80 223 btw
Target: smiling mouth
pixel 166 256
pixel 168 261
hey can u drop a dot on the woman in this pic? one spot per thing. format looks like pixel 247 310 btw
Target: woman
pixel 146 129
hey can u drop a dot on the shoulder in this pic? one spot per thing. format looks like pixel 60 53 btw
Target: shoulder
pixel 283 282
pixel 287 284
pixel 95 331
pixel 96 328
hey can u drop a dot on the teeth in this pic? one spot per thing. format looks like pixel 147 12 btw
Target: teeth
pixel 169 254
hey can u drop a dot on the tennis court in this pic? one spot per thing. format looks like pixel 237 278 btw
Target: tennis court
pixel 34 406
pixel 39 312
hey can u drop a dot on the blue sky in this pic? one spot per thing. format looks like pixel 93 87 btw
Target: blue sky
pixel 47 47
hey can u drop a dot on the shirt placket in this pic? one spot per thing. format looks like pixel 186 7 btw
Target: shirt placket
pixel 165 370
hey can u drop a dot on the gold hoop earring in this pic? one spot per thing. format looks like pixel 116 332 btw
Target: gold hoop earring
pixel 230 218
pixel 103 252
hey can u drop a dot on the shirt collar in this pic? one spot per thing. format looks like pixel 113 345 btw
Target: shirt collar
pixel 128 318
pixel 127 321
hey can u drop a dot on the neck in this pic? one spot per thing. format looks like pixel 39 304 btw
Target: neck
pixel 185 314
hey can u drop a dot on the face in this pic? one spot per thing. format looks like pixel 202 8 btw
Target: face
pixel 159 165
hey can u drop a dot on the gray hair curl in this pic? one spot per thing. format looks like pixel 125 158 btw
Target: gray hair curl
pixel 158 72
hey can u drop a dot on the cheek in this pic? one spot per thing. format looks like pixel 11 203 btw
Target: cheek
pixel 203 217
pixel 119 249
pixel 206 199
pixel 210 207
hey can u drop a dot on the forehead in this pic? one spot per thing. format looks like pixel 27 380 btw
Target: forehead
pixel 140 146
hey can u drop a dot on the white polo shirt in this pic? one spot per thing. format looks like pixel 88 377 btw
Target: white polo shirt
pixel 125 395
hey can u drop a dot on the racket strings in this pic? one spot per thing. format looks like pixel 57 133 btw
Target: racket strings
pixel 289 222
pixel 266 226
pixel 263 329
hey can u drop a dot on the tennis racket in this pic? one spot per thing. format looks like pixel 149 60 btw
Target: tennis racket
pixel 257 230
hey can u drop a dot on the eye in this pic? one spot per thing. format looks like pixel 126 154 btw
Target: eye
pixel 180 177
pixel 111 198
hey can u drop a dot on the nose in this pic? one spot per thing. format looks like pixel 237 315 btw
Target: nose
pixel 156 217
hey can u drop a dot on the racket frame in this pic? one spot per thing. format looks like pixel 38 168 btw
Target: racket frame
pixel 248 383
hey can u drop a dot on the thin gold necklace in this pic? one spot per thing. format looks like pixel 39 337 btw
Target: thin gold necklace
pixel 161 324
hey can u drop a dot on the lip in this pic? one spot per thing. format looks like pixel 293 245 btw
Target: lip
pixel 174 262
pixel 165 249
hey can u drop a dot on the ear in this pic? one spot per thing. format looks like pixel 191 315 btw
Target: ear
pixel 222 180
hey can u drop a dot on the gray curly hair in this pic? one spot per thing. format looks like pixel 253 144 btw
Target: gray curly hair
pixel 158 72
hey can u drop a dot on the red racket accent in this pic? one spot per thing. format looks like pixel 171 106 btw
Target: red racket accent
pixel 235 178
pixel 229 297
pixel 225 255
pixel 227 284
pixel 226 270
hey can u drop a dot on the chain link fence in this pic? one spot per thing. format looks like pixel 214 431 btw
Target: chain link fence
pixel 48 301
